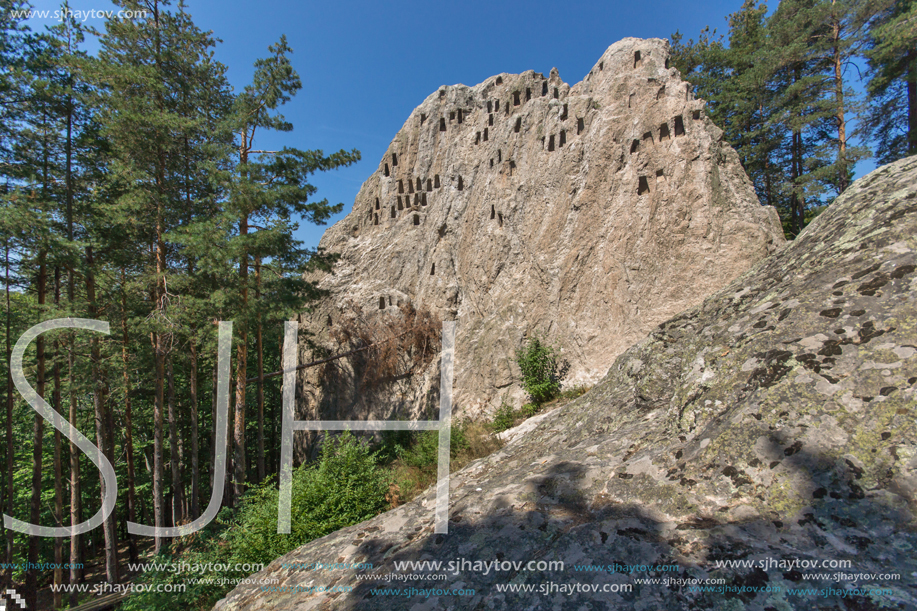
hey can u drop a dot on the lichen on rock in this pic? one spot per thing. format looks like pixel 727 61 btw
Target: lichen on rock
pixel 754 426
pixel 773 421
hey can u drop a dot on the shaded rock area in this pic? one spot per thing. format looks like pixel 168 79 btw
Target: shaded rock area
pixel 773 423
pixel 589 213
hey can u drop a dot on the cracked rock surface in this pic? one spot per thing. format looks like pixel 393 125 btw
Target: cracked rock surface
pixel 772 422
pixel 590 213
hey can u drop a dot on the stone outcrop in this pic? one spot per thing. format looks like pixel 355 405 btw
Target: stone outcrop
pixel 772 423
pixel 523 205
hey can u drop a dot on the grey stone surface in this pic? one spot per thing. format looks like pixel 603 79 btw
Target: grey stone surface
pixel 614 205
pixel 772 422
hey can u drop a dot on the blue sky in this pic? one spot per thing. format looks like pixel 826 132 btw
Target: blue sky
pixel 366 65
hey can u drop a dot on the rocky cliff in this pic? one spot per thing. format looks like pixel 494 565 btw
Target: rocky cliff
pixel 773 424
pixel 588 213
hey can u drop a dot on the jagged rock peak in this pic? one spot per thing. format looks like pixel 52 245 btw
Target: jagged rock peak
pixel 523 205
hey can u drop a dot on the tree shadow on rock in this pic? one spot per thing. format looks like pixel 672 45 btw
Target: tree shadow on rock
pixel 755 562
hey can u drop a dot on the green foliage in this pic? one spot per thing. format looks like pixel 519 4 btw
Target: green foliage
pixel 422 449
pixel 891 50
pixel 504 418
pixel 459 437
pixel 542 369
pixel 413 455
pixel 779 86
pixel 347 486
pixel 393 444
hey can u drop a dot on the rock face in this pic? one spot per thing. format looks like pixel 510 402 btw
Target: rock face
pixel 588 213
pixel 772 423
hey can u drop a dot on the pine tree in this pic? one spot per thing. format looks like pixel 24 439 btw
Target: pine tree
pixel 735 77
pixel 124 197
pixel 267 188
pixel 14 37
pixel 798 107
pixel 892 86
pixel 750 95
pixel 37 170
pixel 162 94
pixel 836 31
pixel 780 91
pixel 72 123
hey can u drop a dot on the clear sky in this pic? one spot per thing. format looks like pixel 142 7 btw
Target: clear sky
pixel 365 65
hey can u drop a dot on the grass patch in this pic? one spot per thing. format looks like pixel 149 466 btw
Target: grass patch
pixel 412 456
pixel 506 417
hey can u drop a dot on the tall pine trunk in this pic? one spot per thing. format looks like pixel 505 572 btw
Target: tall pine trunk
pixel 128 421
pixel 109 431
pixel 213 428
pixel 837 61
pixel 76 500
pixel 241 373
pixel 175 449
pixel 229 498
pixel 159 293
pixel 159 403
pixel 76 574
pixel 195 462
pixel 260 348
pixel 158 510
pixel 797 205
pixel 58 468
pixel 31 575
pixel 103 423
pixel 10 445
pixel 796 169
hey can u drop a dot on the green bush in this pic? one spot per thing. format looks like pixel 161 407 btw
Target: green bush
pixel 393 443
pixel 346 487
pixel 542 370
pixel 504 418
pixel 423 450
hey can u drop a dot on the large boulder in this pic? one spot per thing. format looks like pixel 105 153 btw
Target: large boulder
pixel 523 205
pixel 771 425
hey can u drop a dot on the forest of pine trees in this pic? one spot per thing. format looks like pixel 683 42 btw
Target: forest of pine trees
pixel 804 89
pixel 134 191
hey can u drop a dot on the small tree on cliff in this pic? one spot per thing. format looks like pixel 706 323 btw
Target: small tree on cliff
pixel 542 369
